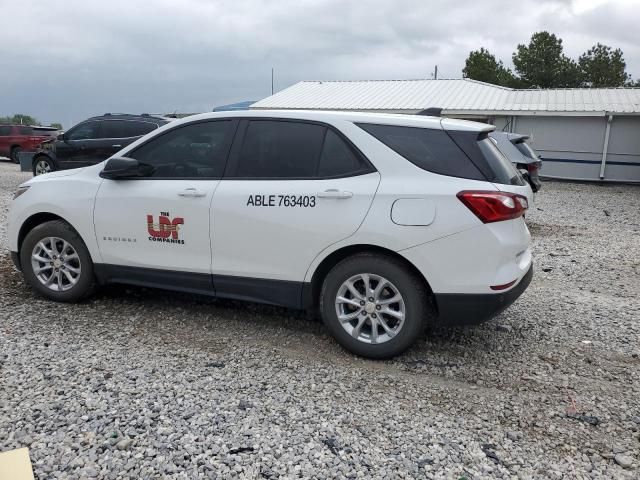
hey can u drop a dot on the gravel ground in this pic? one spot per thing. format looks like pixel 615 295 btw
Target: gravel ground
pixel 138 383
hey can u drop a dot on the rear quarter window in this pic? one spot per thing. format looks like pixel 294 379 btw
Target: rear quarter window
pixel 479 148
pixel 430 149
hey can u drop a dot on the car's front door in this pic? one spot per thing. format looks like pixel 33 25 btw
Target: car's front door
pixel 77 145
pixel 291 190
pixel 155 229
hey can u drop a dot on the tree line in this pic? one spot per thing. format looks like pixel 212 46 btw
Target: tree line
pixel 22 119
pixel 543 64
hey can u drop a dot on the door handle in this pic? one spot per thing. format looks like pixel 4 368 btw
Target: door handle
pixel 191 192
pixel 335 193
pixel 116 146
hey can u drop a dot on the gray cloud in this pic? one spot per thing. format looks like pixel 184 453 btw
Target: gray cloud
pixel 64 61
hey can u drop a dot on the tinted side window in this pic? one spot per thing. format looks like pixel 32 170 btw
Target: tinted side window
pixel 137 129
pixel 25 131
pixel 338 159
pixel 486 157
pixel 5 131
pixel 113 129
pixel 502 168
pixel 190 151
pixel 430 149
pixel 84 131
pixel 280 149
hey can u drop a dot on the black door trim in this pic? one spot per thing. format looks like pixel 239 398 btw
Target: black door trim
pixel 150 277
pixel 283 293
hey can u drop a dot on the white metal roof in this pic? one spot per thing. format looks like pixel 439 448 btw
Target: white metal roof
pixel 461 96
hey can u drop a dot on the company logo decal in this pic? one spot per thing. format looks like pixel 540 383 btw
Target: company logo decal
pixel 165 228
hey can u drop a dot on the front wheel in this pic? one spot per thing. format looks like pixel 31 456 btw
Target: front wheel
pixel 56 263
pixel 42 165
pixel 374 306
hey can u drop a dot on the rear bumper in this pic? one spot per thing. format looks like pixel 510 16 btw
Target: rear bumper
pixel 457 309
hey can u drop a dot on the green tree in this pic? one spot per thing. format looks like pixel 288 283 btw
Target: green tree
pixel 602 66
pixel 20 119
pixel 482 65
pixel 57 126
pixel 542 63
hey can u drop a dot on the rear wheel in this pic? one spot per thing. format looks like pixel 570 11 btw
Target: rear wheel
pixel 14 154
pixel 42 165
pixel 56 263
pixel 374 306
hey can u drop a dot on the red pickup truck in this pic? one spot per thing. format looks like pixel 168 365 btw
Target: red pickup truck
pixel 17 138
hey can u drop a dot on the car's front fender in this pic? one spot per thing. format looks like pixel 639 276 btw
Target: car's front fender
pixel 69 196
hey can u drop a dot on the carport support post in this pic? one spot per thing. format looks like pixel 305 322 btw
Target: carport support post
pixel 605 147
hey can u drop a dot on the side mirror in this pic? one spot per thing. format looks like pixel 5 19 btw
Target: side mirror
pixel 119 168
pixel 61 138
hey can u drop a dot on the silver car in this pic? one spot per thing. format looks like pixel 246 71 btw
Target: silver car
pixel 514 146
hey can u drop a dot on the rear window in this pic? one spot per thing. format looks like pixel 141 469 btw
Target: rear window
pixel 526 150
pixel 430 149
pixel 5 130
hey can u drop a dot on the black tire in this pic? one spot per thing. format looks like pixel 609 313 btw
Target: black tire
pixel 60 229
pixel 43 158
pixel 418 307
pixel 14 154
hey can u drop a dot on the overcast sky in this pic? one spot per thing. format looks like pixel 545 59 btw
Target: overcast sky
pixel 66 60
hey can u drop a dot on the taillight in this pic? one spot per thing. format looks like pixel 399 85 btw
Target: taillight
pixel 492 207
pixel 533 167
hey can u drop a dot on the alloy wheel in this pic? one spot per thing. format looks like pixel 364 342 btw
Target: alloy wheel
pixel 370 308
pixel 42 166
pixel 56 264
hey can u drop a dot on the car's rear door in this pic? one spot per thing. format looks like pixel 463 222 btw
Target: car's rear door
pixel 155 230
pixel 291 189
pixel 117 134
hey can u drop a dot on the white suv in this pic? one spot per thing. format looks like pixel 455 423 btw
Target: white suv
pixel 384 222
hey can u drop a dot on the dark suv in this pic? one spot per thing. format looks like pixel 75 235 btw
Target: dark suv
pixel 93 141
